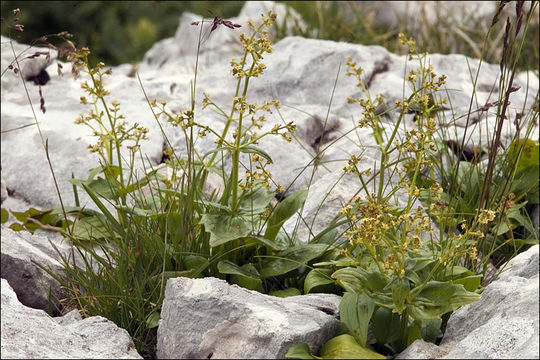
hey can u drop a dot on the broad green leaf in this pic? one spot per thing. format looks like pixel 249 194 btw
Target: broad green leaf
pixel 529 153
pixel 291 259
pixel 318 280
pixel 526 180
pixel 340 262
pixel 300 351
pixel 266 242
pixel 524 221
pixel 16 227
pixel 90 228
pixel 345 347
pixel 250 149
pixel 113 171
pixel 174 274
pixel 152 321
pixel 196 263
pixel 502 228
pixel 132 210
pixel 285 209
pixel 385 325
pixel 437 298
pixel 400 293
pixel 457 272
pixel 224 228
pixel 20 215
pixel 414 333
pixel 75 211
pixel 255 201
pixel 103 188
pixel 358 279
pixel 355 310
pixel 138 184
pixel 370 283
pixel 413 277
pixel 247 282
pixel 5 215
pixel 470 283
pixel 245 275
pixel 430 329
pixel 286 292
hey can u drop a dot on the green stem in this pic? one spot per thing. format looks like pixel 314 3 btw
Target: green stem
pixel 117 141
pixel 404 330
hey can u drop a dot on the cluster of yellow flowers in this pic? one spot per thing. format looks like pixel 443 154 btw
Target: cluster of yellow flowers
pixel 107 125
pixel 259 176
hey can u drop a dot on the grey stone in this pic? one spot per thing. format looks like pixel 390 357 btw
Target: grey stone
pixel 31 61
pixel 208 318
pixel 421 349
pixel 3 190
pixel 392 14
pixel 216 45
pixel 14 204
pixel 525 265
pixel 31 333
pixel 34 287
pixel 303 84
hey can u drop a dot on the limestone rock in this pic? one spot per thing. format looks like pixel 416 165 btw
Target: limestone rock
pixel 216 45
pixel 31 283
pixel 31 60
pixel 208 318
pixel 393 13
pixel 3 190
pixel 304 85
pixel 421 349
pixel 29 333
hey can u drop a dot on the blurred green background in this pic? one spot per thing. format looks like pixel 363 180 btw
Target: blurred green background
pixel 120 32
pixel 116 32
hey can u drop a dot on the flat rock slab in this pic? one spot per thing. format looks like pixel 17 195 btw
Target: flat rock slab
pixel 208 318
pixel 32 334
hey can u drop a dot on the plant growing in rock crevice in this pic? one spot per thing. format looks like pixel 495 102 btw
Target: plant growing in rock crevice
pixel 153 227
pixel 390 274
pixel 400 287
pixel 136 240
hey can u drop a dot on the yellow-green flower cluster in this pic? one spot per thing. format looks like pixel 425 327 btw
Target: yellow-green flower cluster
pixel 261 175
pixel 370 220
pixel 410 42
pixel 256 45
pixel 107 125
pixel 486 216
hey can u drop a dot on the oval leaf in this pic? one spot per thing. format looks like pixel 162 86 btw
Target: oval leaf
pixel 318 279
pixel 299 351
pixel 291 259
pixel 5 215
pixel 224 228
pixel 438 298
pixel 345 347
pixel 286 292
pixel 285 209
pixel 355 310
